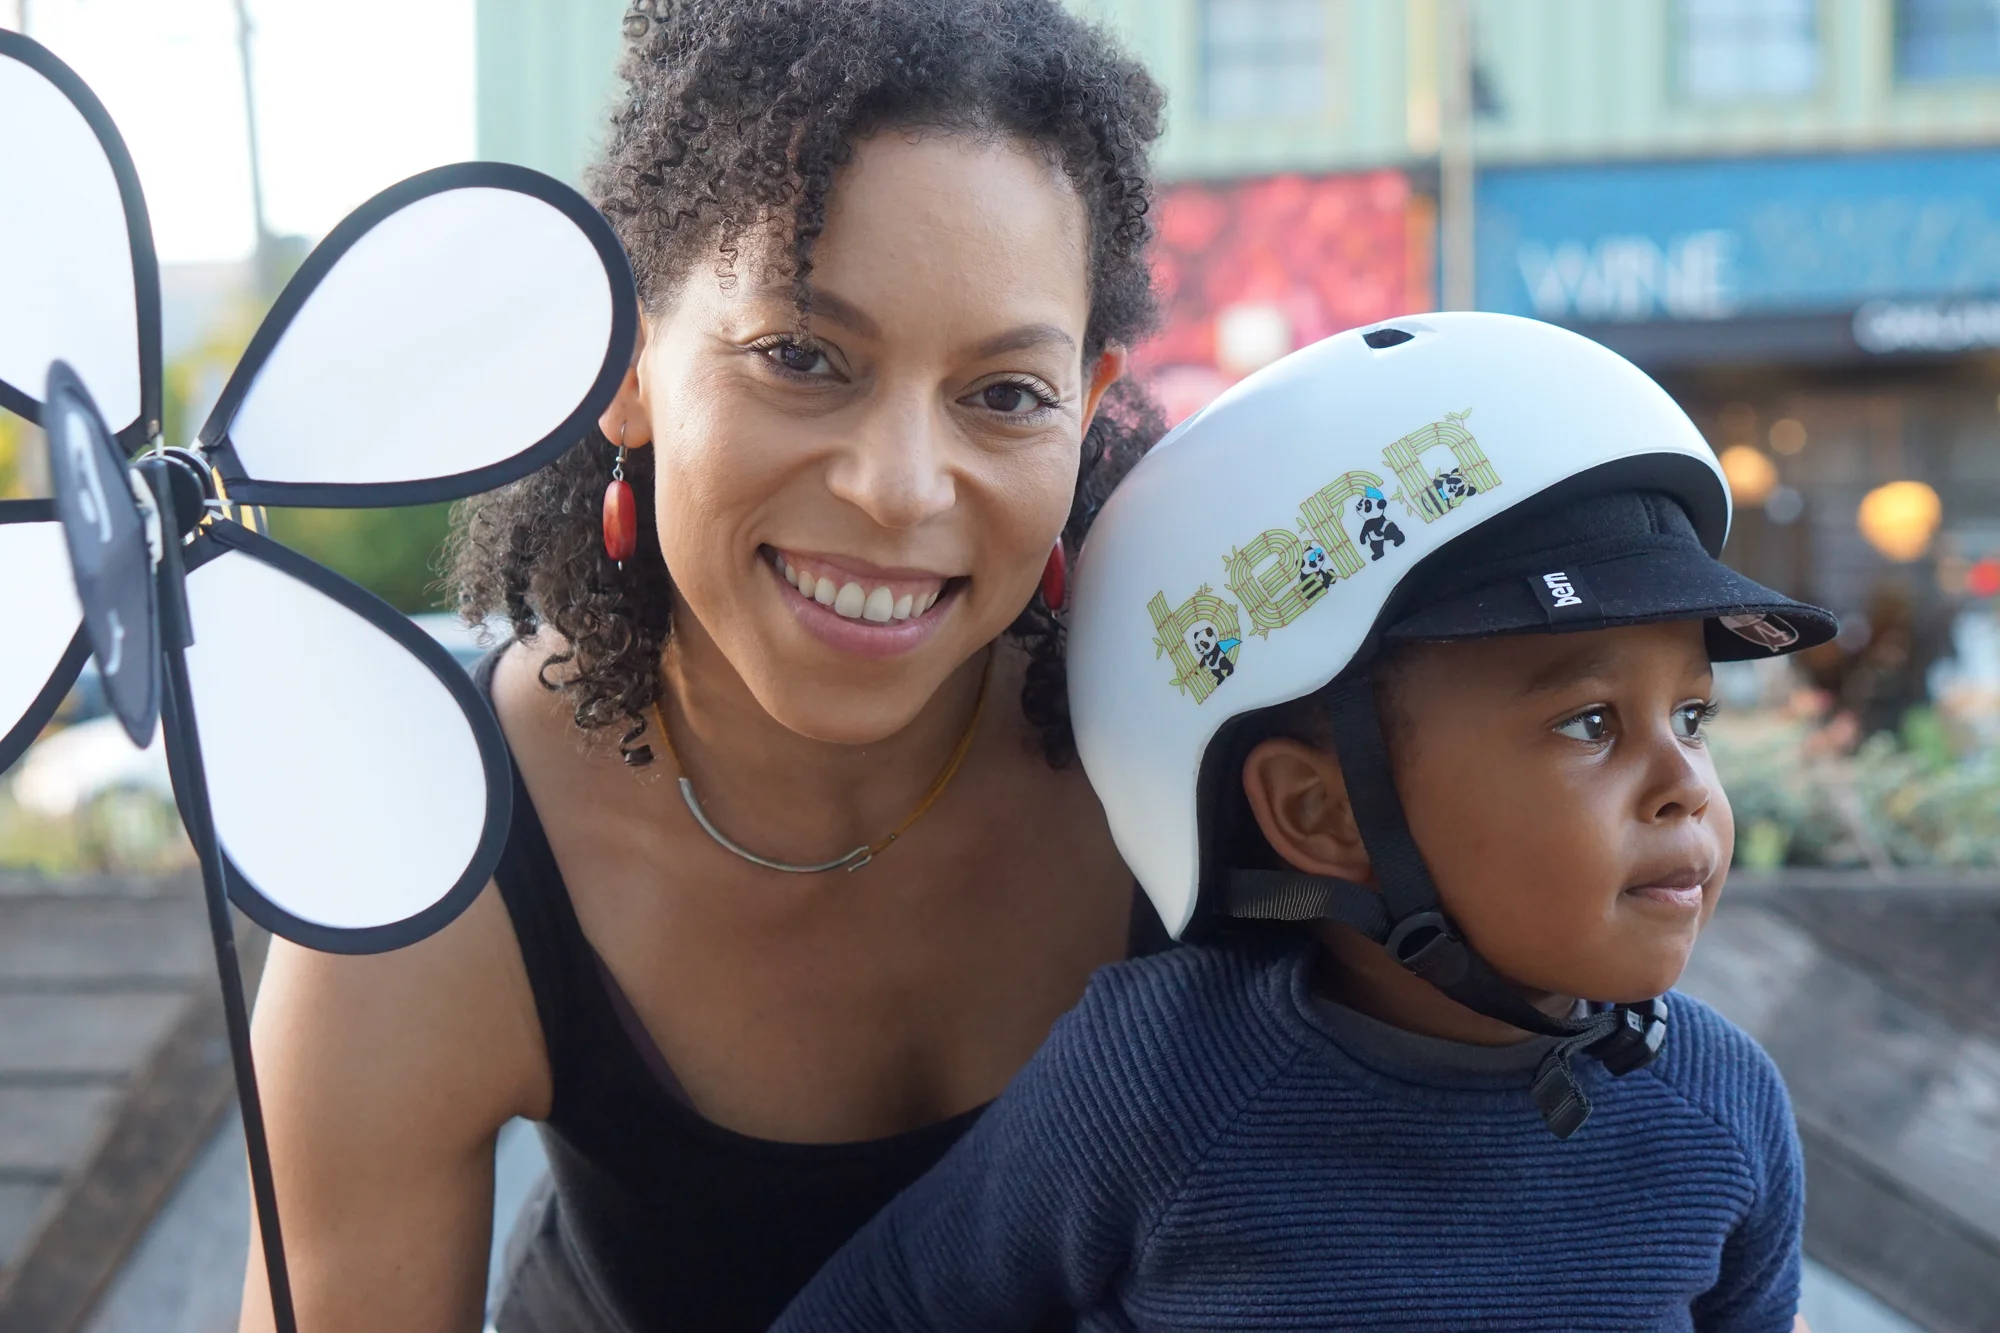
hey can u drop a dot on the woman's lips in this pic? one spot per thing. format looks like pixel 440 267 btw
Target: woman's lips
pixel 863 635
pixel 858 592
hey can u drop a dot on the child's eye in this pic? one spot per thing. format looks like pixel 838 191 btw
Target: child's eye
pixel 1590 725
pixel 1690 718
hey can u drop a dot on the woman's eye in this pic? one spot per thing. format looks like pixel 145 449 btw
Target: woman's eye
pixel 1689 719
pixel 1012 399
pixel 799 359
pixel 1593 725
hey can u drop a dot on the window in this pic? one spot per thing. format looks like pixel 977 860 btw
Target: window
pixel 1263 59
pixel 1733 50
pixel 1947 39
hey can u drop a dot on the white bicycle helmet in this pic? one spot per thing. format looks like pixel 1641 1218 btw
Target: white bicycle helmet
pixel 1349 493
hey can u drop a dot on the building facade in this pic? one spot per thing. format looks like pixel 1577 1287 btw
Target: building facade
pixel 1787 210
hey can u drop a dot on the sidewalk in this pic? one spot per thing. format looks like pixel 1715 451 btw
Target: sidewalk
pixel 113 1074
pixel 123 1204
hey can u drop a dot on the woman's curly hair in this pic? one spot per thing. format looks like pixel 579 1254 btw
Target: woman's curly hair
pixel 740 113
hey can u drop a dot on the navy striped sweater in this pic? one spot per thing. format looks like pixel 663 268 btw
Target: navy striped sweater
pixel 1193 1150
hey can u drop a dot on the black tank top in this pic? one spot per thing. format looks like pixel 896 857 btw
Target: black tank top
pixel 662 1221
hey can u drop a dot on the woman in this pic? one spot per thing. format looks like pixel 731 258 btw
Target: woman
pixel 891 254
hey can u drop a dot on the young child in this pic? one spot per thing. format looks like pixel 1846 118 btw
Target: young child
pixel 1445 832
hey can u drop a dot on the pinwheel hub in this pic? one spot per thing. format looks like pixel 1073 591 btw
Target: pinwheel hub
pixel 193 488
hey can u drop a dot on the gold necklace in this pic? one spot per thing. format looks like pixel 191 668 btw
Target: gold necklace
pixel 860 856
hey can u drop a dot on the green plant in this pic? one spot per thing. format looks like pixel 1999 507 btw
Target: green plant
pixel 394 553
pixel 1919 797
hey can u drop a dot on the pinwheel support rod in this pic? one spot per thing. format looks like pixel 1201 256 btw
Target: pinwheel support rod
pixel 183 745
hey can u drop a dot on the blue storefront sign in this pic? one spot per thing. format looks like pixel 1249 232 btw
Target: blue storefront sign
pixel 1903 248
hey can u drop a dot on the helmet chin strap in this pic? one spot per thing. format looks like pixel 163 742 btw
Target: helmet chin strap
pixel 1408 919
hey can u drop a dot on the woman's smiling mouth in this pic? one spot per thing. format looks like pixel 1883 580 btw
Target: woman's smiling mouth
pixel 861 609
pixel 853 592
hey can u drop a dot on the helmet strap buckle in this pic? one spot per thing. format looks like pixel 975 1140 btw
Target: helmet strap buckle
pixel 1429 946
pixel 1636 1040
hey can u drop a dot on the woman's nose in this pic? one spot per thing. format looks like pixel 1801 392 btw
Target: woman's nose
pixel 897 466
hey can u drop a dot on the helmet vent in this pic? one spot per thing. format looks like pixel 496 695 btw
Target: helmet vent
pixel 1380 338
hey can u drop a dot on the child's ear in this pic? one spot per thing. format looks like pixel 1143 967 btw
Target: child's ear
pixel 1299 796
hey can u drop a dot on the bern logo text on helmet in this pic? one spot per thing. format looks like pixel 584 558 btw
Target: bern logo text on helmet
pixel 1563 596
pixel 1201 638
pixel 1438 493
pixel 1280 574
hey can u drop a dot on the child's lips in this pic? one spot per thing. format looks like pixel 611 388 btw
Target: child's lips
pixel 1680 887
pixel 1684 896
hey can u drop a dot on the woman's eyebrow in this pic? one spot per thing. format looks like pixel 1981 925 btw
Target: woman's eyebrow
pixel 842 312
pixel 1023 338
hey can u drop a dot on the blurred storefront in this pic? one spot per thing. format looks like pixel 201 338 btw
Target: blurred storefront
pixel 1787 210
pixel 1833 323
pixel 1251 270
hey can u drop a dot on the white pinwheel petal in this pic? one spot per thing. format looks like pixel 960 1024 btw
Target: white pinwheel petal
pixel 452 325
pixel 353 790
pixel 73 276
pixel 43 619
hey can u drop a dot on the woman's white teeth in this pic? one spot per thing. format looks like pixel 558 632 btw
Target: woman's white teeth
pixel 880 606
pixel 854 602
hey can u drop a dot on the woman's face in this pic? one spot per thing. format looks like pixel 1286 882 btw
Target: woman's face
pixel 850 516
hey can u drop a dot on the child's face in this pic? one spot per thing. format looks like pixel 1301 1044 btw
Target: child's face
pixel 1560 791
pixel 1565 801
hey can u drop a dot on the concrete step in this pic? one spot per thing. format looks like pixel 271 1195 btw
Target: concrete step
pixel 1870 998
pixel 123 1203
pixel 113 1074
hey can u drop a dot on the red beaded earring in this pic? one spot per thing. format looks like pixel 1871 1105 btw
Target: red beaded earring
pixel 1055 579
pixel 621 514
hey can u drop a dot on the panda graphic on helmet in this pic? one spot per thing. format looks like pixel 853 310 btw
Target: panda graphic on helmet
pixel 1316 571
pixel 1377 532
pixel 1448 490
pixel 1214 652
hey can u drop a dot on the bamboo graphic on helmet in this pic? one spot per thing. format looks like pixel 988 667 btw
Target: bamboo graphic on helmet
pixel 1202 637
pixel 1279 575
pixel 1438 493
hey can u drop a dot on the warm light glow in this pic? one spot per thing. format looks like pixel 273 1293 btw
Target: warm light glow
pixel 1900 519
pixel 1251 335
pixel 1788 435
pixel 1752 476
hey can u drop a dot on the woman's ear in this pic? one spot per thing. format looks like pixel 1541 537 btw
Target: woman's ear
pixel 1299 797
pixel 1109 369
pixel 626 421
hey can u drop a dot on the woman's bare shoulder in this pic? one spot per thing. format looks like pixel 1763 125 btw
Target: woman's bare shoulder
pixel 536 715
pixel 449 1021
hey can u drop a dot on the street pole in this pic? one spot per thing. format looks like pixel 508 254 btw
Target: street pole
pixel 266 253
pixel 1455 173
pixel 21 17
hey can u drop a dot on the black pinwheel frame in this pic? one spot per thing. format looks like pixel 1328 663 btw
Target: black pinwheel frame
pixel 346 786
